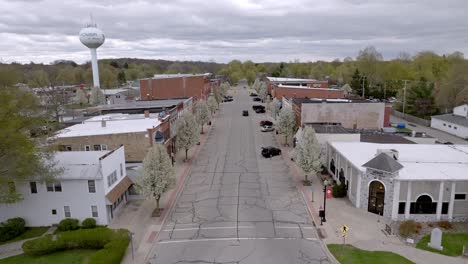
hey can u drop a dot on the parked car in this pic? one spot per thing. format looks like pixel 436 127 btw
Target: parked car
pixel 267 129
pixel 255 107
pixel 266 123
pixel 269 152
pixel 245 113
pixel 227 99
pixel 260 110
pixel 253 94
pixel 257 99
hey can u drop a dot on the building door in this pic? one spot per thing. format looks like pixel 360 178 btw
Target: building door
pixel 341 177
pixel 332 166
pixel 376 197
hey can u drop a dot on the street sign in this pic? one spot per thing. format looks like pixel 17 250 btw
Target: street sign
pixel 344 229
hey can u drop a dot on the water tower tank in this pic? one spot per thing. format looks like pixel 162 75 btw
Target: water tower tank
pixel 92 37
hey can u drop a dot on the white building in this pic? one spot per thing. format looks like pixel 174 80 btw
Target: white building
pixel 93 184
pixel 455 124
pixel 120 95
pixel 403 181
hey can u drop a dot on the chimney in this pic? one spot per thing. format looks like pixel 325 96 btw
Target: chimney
pixel 147 113
pixel 103 123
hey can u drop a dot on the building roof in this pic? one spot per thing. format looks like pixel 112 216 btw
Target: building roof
pixel 143 104
pixel 179 75
pixel 419 161
pixel 117 91
pixel 306 88
pixel 329 129
pixel 384 138
pixel 329 100
pixel 79 165
pixel 119 189
pixel 114 124
pixel 454 119
pixel 383 162
pixel 285 80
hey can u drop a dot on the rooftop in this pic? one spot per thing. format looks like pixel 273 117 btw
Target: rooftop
pixel 280 79
pixel 144 104
pixel 419 161
pixel 383 138
pixel 79 164
pixel 117 91
pixel 454 119
pixel 319 100
pixel 329 129
pixel 114 124
pixel 383 162
pixel 179 75
pixel 306 87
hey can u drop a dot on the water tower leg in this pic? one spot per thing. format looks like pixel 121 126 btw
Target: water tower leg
pixel 94 65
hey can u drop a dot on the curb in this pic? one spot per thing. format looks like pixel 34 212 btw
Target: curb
pixel 310 208
pixel 178 190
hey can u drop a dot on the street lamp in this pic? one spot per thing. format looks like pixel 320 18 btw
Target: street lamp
pixel 323 218
pixel 130 235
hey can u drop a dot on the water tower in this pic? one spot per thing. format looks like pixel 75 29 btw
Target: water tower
pixel 92 37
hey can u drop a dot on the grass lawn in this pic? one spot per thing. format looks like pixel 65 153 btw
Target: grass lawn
pixel 452 243
pixel 30 232
pixel 68 257
pixel 350 255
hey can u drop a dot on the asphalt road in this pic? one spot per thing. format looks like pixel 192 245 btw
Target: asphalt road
pixel 236 206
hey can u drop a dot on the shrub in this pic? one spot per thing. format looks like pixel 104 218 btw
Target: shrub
pixel 41 246
pixel 408 228
pixel 68 224
pixel 12 228
pixel 112 244
pixel 88 223
pixel 339 190
pixel 445 224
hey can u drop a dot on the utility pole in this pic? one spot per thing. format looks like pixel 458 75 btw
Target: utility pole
pixel 404 97
pixel 363 87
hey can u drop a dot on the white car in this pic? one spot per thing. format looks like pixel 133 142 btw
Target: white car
pixel 267 129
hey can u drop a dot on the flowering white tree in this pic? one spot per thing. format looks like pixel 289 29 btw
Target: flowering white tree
pixel 287 123
pixel 308 154
pixel 217 95
pixel 80 97
pixel 97 97
pixel 224 88
pixel 187 132
pixel 212 105
pixel 202 113
pixel 274 107
pixel 256 85
pixel 157 175
pixel 263 91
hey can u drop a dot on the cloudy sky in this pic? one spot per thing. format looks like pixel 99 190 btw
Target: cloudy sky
pixel 222 30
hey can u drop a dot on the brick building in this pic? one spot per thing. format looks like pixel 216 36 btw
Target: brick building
pixel 171 86
pixel 288 91
pixel 311 83
pixel 352 114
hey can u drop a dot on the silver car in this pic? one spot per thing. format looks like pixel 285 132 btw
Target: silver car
pixel 267 129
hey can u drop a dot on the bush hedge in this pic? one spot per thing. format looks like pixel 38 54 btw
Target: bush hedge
pixel 68 224
pixel 88 223
pixel 408 228
pixel 339 190
pixel 12 228
pixel 111 244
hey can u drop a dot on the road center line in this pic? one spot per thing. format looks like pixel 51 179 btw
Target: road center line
pixel 233 239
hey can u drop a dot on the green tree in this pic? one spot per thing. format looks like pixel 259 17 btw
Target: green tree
pixel 454 88
pixel 121 77
pixel 39 79
pixel 22 156
pixel 420 99
pixel 9 75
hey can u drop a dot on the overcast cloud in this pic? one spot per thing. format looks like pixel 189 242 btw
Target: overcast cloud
pixel 259 30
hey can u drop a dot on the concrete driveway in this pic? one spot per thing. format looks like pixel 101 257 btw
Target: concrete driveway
pixel 238 207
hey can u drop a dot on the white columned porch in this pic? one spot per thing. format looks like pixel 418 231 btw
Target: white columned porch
pixel 440 200
pixel 408 201
pixel 358 191
pixel 350 177
pixel 452 200
pixel 396 199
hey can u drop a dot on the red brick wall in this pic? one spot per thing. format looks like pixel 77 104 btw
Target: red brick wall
pixel 178 87
pixel 387 113
pixel 307 92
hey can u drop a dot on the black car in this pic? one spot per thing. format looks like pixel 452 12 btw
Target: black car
pixel 245 113
pixel 253 94
pixel 256 99
pixel 260 110
pixel 255 107
pixel 227 99
pixel 266 123
pixel 269 152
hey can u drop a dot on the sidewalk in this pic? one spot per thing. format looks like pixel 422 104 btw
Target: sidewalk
pixel 136 216
pixel 14 248
pixel 365 229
